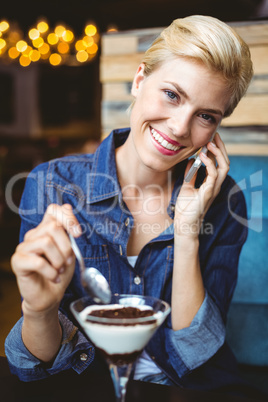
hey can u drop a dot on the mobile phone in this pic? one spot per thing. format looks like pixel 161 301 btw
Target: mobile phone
pixel 197 163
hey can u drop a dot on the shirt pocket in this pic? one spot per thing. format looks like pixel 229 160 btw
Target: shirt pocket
pixel 97 256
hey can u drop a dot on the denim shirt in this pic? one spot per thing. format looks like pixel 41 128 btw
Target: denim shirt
pixel 90 184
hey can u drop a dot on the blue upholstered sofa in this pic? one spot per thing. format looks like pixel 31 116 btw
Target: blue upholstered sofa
pixel 247 324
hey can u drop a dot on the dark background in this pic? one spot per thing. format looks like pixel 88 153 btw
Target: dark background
pixel 128 14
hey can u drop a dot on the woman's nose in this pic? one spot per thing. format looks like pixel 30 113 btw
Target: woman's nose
pixel 180 124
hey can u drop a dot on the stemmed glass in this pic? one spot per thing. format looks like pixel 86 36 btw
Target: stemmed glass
pixel 120 340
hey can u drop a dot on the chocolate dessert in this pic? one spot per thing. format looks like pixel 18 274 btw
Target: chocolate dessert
pixel 120 359
pixel 123 313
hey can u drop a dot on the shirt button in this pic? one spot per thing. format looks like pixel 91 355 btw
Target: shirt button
pixel 83 357
pixel 127 222
pixel 137 280
pixel 172 207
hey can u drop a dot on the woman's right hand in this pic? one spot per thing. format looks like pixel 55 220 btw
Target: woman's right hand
pixel 44 262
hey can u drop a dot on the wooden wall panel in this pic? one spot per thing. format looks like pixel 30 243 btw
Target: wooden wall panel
pixel 252 33
pixel 259 55
pixel 119 68
pixel 251 110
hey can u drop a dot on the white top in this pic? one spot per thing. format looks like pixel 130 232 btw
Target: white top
pixel 144 364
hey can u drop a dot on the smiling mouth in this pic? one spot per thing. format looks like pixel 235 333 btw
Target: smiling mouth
pixel 164 143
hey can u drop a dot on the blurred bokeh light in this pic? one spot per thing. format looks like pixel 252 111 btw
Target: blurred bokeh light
pixel 43 43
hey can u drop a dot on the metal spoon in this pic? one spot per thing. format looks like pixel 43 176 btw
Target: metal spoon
pixel 93 281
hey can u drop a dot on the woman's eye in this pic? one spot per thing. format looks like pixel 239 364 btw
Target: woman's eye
pixel 171 95
pixel 207 117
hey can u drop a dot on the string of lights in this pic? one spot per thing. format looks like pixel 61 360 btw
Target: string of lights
pixel 43 44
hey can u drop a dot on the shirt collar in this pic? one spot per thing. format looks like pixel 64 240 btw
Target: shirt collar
pixel 103 182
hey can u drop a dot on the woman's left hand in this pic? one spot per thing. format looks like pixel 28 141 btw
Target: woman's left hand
pixel 192 203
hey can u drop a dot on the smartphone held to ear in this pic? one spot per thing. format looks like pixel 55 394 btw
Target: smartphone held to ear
pixel 197 163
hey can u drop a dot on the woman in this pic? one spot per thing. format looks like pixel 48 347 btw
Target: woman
pixel 139 222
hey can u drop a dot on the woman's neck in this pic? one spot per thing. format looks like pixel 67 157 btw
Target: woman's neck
pixel 133 175
pixel 146 193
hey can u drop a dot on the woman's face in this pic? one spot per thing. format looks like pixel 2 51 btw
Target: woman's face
pixel 177 109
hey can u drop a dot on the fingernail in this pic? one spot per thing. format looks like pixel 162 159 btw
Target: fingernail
pixel 69 260
pixel 61 270
pixel 212 143
pixel 57 280
pixel 76 230
pixel 203 154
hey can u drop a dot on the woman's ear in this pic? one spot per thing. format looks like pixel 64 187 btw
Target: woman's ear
pixel 138 78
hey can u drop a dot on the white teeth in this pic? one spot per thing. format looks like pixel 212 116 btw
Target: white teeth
pixel 163 142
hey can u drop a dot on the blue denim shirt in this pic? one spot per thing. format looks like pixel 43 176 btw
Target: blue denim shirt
pixel 89 183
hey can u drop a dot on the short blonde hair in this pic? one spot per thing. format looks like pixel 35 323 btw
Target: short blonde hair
pixel 210 41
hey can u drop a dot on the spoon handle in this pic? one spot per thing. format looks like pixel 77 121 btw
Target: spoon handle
pixel 77 252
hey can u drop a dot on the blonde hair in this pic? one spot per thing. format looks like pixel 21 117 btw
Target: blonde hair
pixel 210 41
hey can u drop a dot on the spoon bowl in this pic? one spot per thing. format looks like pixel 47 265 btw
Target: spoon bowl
pixel 96 285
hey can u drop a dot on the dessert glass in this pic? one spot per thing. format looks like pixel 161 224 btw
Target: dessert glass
pixel 120 340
